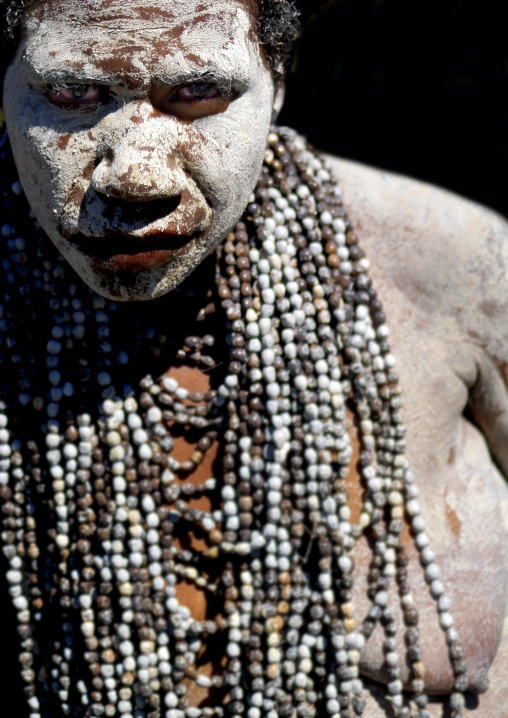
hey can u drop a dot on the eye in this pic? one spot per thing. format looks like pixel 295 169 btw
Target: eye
pixel 74 95
pixel 197 99
pixel 195 93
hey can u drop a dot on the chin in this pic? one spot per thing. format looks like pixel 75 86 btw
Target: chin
pixel 137 285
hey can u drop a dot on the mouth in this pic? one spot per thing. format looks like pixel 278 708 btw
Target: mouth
pixel 121 252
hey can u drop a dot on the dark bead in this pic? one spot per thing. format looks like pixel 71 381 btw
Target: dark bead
pixel 411 637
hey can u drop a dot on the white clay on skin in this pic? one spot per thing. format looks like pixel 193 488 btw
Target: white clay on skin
pixel 70 161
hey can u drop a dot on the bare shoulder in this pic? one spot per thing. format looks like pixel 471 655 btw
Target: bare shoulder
pixel 410 205
pixel 441 260
pixel 426 240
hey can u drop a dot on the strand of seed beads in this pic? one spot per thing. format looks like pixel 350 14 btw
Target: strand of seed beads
pixel 359 368
pixel 266 353
pixel 15 547
pixel 277 405
pixel 362 328
pixel 18 520
pixel 17 525
pixel 58 534
pixel 233 294
pixel 318 469
pixel 77 441
pixel 181 561
pixel 242 422
pixel 262 358
pixel 348 671
pixel 276 260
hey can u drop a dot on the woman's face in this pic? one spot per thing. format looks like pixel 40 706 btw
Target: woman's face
pixel 138 129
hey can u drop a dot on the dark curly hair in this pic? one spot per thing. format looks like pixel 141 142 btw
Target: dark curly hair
pixel 279 24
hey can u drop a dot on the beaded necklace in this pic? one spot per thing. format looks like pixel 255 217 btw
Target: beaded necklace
pixel 89 492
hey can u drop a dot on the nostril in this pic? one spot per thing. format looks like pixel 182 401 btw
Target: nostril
pixel 106 155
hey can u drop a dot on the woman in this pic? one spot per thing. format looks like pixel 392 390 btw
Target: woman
pixel 208 508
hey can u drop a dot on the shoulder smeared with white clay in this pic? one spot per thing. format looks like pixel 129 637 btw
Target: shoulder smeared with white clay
pixel 448 258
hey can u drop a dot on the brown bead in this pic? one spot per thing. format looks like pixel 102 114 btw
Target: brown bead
pixel 108 656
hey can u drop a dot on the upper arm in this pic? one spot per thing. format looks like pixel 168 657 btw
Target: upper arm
pixel 487 327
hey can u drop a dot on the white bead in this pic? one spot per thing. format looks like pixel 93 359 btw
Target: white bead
pixel 444 603
pixel 139 436
pixel 171 699
pixel 233 650
pixel 422 539
pixel 268 296
pixel 117 454
pixel 152 520
pixel 446 620
pixel 148 503
pixel 134 421
pixel 126 648
pixel 14 577
pixel 418 524
pixel 345 564
pixel 52 440
pixel 145 452
pixel 154 552
pixel 301 382
pixel 170 384
pixel 428 555
pixel 273 655
pixel 252 330
pixel 88 629
pixel 413 507
pixel 432 572
pixel 62 541
pixel 154 415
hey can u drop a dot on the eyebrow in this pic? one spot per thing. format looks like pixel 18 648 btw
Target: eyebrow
pixel 224 78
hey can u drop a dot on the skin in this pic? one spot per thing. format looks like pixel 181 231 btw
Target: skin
pixel 440 264
pixel 110 106
pixel 446 306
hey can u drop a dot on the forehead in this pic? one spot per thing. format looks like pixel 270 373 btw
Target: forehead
pixel 111 33
pixel 86 11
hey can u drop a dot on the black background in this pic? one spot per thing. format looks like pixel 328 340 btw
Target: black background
pixel 420 88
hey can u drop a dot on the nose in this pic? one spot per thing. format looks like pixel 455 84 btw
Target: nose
pixel 139 160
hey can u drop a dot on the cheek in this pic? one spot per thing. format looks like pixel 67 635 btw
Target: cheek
pixel 231 147
pixel 48 158
pixel 48 161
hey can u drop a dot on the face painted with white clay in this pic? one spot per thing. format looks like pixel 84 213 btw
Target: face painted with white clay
pixel 138 129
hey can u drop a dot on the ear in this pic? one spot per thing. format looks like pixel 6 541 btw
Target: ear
pixel 278 98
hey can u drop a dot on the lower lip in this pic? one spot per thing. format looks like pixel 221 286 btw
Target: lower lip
pixel 124 254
